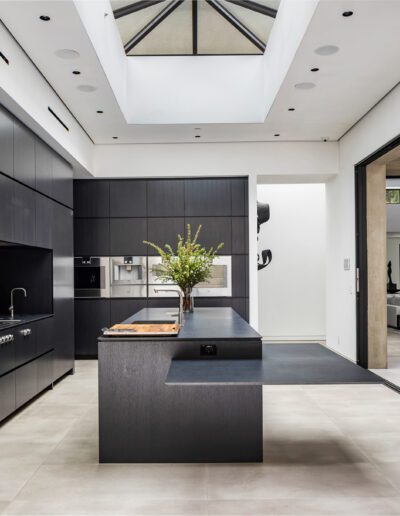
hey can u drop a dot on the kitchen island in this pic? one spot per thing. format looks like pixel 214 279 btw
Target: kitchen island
pixel 144 419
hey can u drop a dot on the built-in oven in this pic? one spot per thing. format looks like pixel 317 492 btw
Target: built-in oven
pixel 128 276
pixel 219 284
pixel 92 276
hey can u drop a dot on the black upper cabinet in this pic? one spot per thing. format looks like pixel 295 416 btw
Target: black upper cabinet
pixel 163 231
pixel 24 215
pixel 92 237
pixel 91 198
pixel 128 199
pixel 240 232
pixel 211 197
pixel 166 198
pixel 213 232
pixel 127 235
pixel 44 217
pixel 6 209
pixel 239 196
pixel 24 155
pixel 239 276
pixel 44 168
pixel 6 143
pixel 62 181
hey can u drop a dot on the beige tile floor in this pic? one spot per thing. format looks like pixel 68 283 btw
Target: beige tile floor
pixel 392 373
pixel 329 450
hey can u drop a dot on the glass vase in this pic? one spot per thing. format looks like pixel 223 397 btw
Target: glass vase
pixel 188 301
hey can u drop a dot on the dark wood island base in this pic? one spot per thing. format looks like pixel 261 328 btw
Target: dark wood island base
pixel 142 419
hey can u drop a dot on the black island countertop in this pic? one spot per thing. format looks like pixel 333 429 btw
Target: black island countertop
pixel 202 324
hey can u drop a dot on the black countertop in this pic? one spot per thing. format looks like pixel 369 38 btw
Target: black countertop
pixel 202 324
pixel 20 319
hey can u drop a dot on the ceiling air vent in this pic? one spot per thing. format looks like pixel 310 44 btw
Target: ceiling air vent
pixel 58 119
pixel 4 58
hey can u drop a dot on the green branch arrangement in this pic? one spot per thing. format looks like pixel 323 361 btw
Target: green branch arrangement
pixel 189 264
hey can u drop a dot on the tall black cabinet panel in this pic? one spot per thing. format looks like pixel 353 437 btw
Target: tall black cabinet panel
pixel 165 230
pixel 92 198
pixel 6 209
pixel 24 215
pixel 214 230
pixel 6 143
pixel 128 198
pixel 91 315
pixel 63 290
pixel 44 218
pixel 62 181
pixel 166 198
pixel 24 155
pixel 211 197
pixel 239 197
pixel 92 237
pixel 44 168
pixel 127 235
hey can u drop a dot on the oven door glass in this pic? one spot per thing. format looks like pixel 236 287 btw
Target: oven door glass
pixel 88 278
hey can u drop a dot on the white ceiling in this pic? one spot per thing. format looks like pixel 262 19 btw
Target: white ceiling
pixel 348 83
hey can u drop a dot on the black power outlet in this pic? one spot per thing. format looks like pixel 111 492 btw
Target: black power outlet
pixel 208 349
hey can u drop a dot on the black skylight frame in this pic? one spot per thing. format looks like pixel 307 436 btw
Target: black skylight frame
pixel 174 4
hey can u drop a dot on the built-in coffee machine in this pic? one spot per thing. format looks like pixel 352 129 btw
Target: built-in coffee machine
pixel 128 276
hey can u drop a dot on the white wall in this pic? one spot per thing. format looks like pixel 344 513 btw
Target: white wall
pixel 272 159
pixel 378 127
pixel 291 290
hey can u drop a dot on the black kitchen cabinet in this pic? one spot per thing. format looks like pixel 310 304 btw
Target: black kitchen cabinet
pixel 44 332
pixel 166 198
pixel 214 230
pixel 24 155
pixel 6 143
pixel 128 198
pixel 127 235
pixel 44 168
pixel 7 354
pixel 239 276
pixel 92 237
pixel 25 344
pixel 24 215
pixel 164 231
pixel 121 309
pixel 44 218
pixel 63 290
pixel 91 315
pixel 241 306
pixel 211 197
pixel 239 197
pixel 44 371
pixel 25 383
pixel 91 198
pixel 62 181
pixel 7 395
pixel 6 209
pixel 240 235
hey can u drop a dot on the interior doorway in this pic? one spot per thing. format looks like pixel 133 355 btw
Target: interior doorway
pixel 378 262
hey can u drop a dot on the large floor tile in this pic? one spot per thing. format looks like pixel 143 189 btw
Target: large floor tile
pixel 75 451
pixel 13 478
pixel 35 429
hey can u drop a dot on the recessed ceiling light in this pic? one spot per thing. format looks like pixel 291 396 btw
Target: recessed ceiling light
pixel 292 109
pixel 44 17
pixel 304 85
pixel 327 50
pixel 86 88
pixel 277 134
pixel 347 14
pixel 99 111
pixel 325 138
pixel 115 137
pixel 315 69
pixel 67 53
pixel 76 72
pixel 197 136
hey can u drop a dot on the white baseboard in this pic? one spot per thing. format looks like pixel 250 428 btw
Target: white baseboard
pixel 293 339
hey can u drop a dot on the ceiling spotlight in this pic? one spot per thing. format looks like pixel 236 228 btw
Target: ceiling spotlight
pixel 115 137
pixel 325 138
pixel 47 18
pixel 76 72
pixel 197 136
pixel 67 53
pixel 86 88
pixel 314 69
pixel 99 111
pixel 304 85
pixel 347 14
pixel 291 109
pixel 277 134
pixel 327 50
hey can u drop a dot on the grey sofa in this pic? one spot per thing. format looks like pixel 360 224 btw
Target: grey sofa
pixel 393 310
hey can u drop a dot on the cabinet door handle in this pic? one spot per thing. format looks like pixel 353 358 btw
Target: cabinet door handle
pixel 26 332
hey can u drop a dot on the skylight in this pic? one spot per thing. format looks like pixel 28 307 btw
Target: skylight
pixel 194 27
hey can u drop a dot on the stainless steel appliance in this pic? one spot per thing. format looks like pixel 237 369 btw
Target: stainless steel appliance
pixel 219 285
pixel 128 276
pixel 92 276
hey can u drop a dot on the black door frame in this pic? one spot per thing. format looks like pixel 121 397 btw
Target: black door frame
pixel 360 183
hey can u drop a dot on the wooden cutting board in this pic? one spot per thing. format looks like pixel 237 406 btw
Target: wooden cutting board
pixel 132 330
